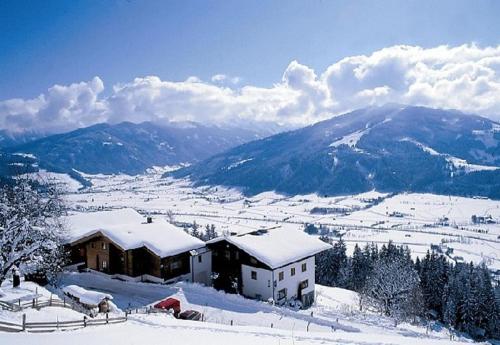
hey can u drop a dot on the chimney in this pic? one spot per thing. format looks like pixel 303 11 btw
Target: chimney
pixel 149 219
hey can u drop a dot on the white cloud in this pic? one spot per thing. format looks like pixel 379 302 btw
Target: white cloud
pixel 61 108
pixel 224 79
pixel 466 77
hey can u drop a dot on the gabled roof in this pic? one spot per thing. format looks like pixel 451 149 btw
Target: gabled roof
pixel 276 247
pixel 129 230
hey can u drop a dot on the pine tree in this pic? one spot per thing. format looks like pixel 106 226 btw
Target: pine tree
pixel 360 267
pixel 210 232
pixel 339 261
pixel 433 274
pixel 195 232
pixel 324 264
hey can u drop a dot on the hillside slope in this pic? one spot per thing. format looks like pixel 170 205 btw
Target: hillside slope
pixel 132 148
pixel 391 148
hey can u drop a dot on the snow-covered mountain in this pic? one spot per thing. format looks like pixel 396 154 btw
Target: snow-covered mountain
pixel 389 148
pixel 132 148
pixel 9 139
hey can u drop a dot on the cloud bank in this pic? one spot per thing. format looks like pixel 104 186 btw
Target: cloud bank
pixel 466 78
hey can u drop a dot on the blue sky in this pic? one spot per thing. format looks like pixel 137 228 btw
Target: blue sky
pixel 68 64
pixel 48 42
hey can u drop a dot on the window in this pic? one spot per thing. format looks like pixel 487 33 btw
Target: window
pixel 281 294
pixel 227 254
pixel 92 245
pixel 304 267
pixel 253 261
pixel 199 258
pixel 304 284
pixel 254 275
pixel 292 271
pixel 281 276
pixel 104 264
pixel 268 283
pixel 103 246
pixel 175 265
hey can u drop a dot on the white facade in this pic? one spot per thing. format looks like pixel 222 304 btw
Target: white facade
pixel 291 283
pixel 201 267
pixel 259 288
pixel 264 284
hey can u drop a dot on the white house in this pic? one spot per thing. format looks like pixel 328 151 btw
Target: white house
pixel 267 264
pixel 124 243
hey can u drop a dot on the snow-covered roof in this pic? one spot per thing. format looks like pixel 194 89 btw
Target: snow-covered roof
pixel 129 230
pixel 278 246
pixel 88 297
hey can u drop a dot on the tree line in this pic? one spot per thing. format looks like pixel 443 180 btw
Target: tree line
pixel 462 296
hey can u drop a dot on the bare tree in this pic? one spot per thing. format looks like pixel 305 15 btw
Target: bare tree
pixel 31 228
pixel 170 216
pixel 391 289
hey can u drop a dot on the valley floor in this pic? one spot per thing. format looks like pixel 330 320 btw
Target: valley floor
pixel 416 220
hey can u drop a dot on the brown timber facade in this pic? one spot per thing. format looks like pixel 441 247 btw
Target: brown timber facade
pixel 100 254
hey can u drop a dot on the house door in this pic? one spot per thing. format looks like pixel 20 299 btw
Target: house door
pixel 97 263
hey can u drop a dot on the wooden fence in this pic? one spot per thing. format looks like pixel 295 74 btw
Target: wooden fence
pixel 58 325
pixel 36 303
pixel 9 306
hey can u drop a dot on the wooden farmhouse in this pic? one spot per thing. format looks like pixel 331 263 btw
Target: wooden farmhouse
pixel 277 264
pixel 124 243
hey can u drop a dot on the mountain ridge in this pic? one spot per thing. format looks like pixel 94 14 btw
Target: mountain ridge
pixel 392 148
pixel 131 148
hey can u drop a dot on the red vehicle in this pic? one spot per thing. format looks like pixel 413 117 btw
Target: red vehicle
pixel 170 303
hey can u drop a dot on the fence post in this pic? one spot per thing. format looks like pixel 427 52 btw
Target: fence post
pixel 19 302
pixel 50 300
pixel 24 322
pixel 231 322
pixel 64 301
pixel 85 321
pixel 107 318
pixel 34 304
pixel 271 325
pixel 308 326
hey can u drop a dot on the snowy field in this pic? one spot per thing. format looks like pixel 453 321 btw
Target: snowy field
pixel 334 319
pixel 417 220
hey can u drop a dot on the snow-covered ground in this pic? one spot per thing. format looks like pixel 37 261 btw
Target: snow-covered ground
pixel 171 331
pixel 334 319
pixel 417 220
